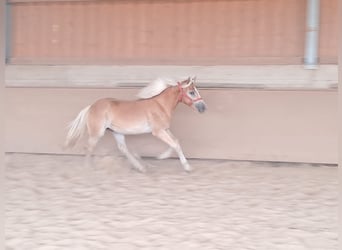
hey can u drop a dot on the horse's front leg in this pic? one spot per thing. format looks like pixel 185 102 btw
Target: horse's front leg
pixel 166 136
pixel 166 154
pixel 120 140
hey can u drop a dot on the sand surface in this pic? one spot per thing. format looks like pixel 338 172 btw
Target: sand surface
pixel 54 202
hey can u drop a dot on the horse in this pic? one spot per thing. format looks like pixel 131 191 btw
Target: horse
pixel 150 113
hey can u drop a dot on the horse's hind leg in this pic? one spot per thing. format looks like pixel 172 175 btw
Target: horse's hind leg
pixel 92 141
pixel 167 137
pixel 95 132
pixel 120 140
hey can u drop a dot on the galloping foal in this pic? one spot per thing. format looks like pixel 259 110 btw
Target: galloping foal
pixel 149 114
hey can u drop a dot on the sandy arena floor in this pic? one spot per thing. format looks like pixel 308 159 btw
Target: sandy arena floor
pixel 53 202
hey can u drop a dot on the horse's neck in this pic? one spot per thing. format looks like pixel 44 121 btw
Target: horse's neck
pixel 168 99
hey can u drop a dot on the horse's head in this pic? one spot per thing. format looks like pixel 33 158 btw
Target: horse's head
pixel 190 96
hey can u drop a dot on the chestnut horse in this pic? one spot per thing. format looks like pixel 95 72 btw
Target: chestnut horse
pixel 149 114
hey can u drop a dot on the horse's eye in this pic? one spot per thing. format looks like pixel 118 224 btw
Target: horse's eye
pixel 192 92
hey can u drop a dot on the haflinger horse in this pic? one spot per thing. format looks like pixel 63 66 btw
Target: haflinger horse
pixel 151 113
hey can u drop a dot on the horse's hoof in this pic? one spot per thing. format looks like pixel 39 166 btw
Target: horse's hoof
pixel 140 169
pixel 161 157
pixel 188 168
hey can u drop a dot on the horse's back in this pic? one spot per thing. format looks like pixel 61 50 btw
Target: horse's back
pixel 120 109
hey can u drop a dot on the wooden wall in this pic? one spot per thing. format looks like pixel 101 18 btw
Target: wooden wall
pixel 263 125
pixel 195 32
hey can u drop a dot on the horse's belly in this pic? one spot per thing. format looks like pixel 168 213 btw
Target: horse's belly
pixel 132 129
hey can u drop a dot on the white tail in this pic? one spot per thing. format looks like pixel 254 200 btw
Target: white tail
pixel 77 127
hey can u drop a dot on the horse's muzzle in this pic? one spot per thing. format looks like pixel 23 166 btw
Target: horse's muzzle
pixel 200 106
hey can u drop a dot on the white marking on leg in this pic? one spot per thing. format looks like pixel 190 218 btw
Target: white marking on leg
pixel 120 139
pixel 166 136
pixel 166 154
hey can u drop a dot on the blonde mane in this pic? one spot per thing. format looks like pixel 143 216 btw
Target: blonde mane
pixel 156 87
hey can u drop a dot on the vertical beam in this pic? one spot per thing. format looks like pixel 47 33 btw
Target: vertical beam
pixel 312 34
pixel 8 31
pixel 340 115
pixel 2 119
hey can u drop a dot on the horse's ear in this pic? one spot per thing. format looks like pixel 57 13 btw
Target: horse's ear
pixel 186 81
pixel 192 79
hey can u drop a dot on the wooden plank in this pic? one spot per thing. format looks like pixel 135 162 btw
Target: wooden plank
pixel 99 76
